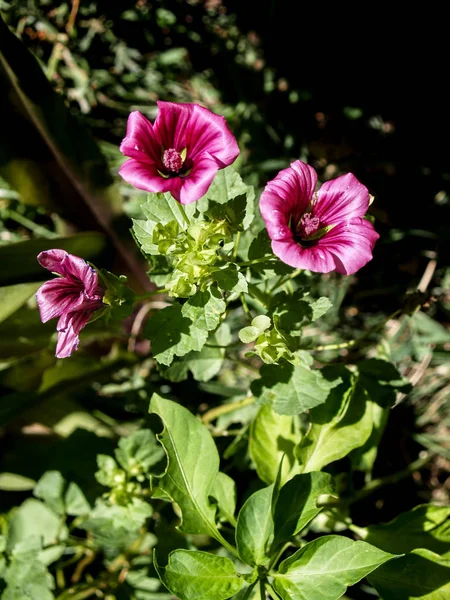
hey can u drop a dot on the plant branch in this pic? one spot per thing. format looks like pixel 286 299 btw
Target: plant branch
pixel 213 413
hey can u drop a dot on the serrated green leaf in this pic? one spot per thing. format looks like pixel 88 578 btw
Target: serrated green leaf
pixel 227 185
pixel 420 575
pixel 325 567
pixel 192 468
pixel 255 526
pixel 163 208
pixel 426 526
pixel 291 389
pixel 194 575
pixel 230 279
pixel 224 491
pixel 50 489
pixel 205 309
pixel 296 504
pixel 272 436
pixel 337 427
pixel 172 334
pixel 139 451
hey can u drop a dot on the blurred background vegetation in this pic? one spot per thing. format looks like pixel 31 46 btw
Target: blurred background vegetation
pixel 338 92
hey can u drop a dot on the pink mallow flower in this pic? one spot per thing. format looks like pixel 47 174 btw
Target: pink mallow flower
pixel 73 297
pixel 320 231
pixel 179 153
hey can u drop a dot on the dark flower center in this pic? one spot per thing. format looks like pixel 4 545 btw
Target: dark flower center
pixel 172 160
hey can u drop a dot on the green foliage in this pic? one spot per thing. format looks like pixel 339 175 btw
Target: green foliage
pixel 292 389
pixel 192 466
pixel 420 575
pixel 325 568
pixel 193 575
pixel 255 526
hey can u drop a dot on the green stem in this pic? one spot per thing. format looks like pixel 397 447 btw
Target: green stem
pixel 236 245
pixel 358 341
pixel 245 307
pixel 249 590
pixel 273 592
pixel 8 213
pixel 262 588
pixel 278 555
pixel 183 213
pixel 213 413
pixel 284 279
pixel 258 295
pixel 255 261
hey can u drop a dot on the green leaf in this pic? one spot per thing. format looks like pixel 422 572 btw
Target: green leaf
pixel 227 185
pixel 426 526
pixel 172 334
pixel 224 491
pixel 337 427
pixel 108 473
pixel 163 208
pixel 205 309
pixel 292 389
pixel 75 501
pixel 27 578
pixel 272 436
pixel 114 526
pixel 14 482
pixel 206 364
pixel 249 334
pixel 12 297
pixel 230 279
pixel 50 489
pixel 139 451
pixel 296 504
pixel 421 575
pixel 193 575
pixel 255 526
pixel 192 468
pixel 325 568
pixel 33 519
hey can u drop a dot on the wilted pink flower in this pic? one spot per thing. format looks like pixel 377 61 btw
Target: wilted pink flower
pixel 321 231
pixel 180 153
pixel 73 297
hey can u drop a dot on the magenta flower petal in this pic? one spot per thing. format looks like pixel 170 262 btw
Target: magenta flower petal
pixel 56 297
pixel 351 244
pixel 70 266
pixel 69 327
pixel 198 182
pixel 341 198
pixel 73 297
pixel 171 155
pixel 145 176
pixel 320 232
pixel 285 197
pixel 318 260
pixel 198 129
pixel 139 142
